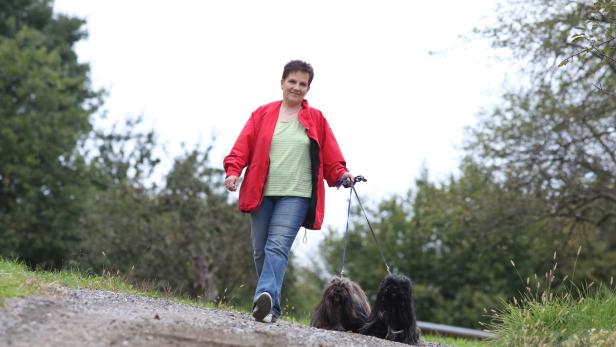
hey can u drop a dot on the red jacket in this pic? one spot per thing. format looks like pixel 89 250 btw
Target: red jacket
pixel 252 149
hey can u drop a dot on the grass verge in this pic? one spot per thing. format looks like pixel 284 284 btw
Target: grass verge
pixel 450 341
pixel 588 319
pixel 17 280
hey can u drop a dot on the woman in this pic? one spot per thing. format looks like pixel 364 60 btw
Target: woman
pixel 289 150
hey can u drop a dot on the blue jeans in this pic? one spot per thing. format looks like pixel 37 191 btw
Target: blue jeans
pixel 273 228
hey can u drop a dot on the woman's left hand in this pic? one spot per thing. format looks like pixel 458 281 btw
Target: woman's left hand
pixel 347 179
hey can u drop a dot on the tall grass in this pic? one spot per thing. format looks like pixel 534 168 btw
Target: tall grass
pixel 564 315
pixel 13 281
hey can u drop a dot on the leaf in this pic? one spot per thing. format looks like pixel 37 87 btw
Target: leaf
pixel 578 37
pixel 563 63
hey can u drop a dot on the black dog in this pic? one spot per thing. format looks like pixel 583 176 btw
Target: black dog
pixel 393 314
pixel 344 306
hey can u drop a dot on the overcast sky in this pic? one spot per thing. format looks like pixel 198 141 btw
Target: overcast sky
pixel 197 68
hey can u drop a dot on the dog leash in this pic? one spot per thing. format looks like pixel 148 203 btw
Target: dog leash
pixel 346 232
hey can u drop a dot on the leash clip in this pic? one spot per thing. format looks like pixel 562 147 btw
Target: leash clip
pixel 360 178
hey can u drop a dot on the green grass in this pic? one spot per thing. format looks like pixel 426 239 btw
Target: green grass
pixel 16 280
pixel 450 341
pixel 578 317
pixel 587 318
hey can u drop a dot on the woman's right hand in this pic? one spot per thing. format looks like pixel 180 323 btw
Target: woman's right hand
pixel 231 183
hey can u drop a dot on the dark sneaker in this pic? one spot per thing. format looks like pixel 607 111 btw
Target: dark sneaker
pixel 262 307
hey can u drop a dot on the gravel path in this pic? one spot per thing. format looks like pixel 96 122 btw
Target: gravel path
pixel 82 317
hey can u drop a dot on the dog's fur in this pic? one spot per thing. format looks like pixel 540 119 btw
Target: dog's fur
pixel 393 314
pixel 344 306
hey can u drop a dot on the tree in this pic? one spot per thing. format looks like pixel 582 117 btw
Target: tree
pixel 74 196
pixel 539 178
pixel 456 241
pixel 597 33
pixel 555 137
pixel 301 289
pixel 45 109
pixel 159 235
pixel 205 224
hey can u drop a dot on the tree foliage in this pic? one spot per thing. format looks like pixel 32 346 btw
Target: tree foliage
pixel 538 184
pixel 72 195
pixel 151 234
pixel 539 178
pixel 556 136
pixel 45 109
pixel 455 240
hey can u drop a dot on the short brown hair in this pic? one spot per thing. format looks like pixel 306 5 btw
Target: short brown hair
pixel 298 65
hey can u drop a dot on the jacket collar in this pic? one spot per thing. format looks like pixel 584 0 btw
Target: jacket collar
pixel 303 115
pixel 304 105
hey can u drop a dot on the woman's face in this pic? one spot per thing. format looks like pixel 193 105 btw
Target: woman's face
pixel 295 87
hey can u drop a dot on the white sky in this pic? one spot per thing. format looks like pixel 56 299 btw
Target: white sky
pixel 197 68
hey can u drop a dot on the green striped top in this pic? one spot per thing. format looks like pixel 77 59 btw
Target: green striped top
pixel 289 169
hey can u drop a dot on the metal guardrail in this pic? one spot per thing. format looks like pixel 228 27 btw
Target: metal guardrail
pixel 448 330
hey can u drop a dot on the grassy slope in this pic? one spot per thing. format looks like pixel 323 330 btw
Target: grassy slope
pixel 16 280
pixel 588 319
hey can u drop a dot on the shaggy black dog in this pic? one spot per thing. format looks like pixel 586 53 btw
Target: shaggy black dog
pixel 393 314
pixel 344 306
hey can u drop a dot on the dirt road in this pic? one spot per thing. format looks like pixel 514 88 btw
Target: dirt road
pixel 83 317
